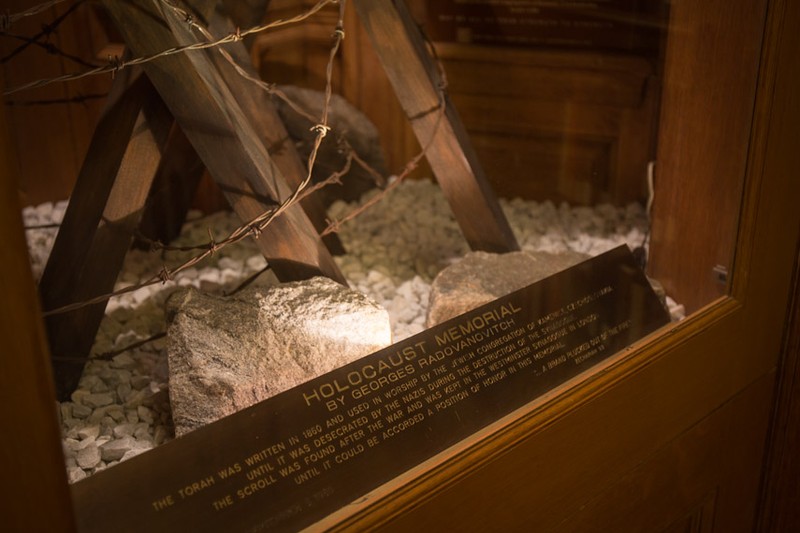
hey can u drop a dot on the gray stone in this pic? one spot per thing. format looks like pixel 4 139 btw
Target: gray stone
pixel 81 411
pixel 113 450
pixel 226 354
pixel 143 434
pixel 89 432
pixel 78 396
pixel 145 414
pixel 98 400
pixel 75 473
pixel 137 397
pixel 481 277
pixel 123 360
pixel 71 444
pixel 64 411
pixel 116 412
pixel 347 123
pixel 133 452
pixel 123 430
pixel 132 416
pixel 124 391
pixel 89 456
pixel 160 435
pixel 140 382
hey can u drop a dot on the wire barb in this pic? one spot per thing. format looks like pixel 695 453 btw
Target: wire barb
pixel 5 21
pixel 115 64
pixel 212 245
pixel 256 226
pixel 320 129
pixel 165 275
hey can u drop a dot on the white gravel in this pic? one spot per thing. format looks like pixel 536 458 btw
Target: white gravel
pixel 394 251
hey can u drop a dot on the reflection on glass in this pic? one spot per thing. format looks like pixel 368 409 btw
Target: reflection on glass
pixel 583 116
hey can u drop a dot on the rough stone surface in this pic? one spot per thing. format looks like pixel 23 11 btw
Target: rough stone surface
pixel 226 354
pixel 481 277
pixel 89 456
pixel 98 400
pixel 114 450
pixel 347 123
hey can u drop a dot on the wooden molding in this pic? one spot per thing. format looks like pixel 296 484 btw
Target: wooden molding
pixel 37 496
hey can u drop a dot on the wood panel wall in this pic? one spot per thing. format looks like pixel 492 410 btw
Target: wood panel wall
pixel 561 125
pixel 37 496
pixel 51 139
pixel 572 126
pixel 699 173
pixel 45 149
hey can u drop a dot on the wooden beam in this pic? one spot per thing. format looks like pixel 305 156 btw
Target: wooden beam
pixel 417 83
pixel 177 180
pixel 694 72
pixel 223 137
pixel 245 14
pixel 259 108
pixel 38 497
pixel 104 211
pixel 173 189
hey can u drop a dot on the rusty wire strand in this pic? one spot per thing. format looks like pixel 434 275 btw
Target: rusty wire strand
pixel 256 226
pixel 253 227
pixel 269 88
pixel 8 20
pixel 48 47
pixel 117 64
pixel 79 99
pixel 47 30
pixel 335 225
pixel 110 354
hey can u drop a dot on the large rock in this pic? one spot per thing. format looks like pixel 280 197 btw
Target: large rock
pixel 347 124
pixel 481 277
pixel 226 354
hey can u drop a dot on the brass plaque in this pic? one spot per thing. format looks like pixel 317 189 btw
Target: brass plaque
pixel 614 25
pixel 289 461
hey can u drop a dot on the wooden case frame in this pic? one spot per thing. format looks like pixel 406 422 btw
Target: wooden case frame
pixel 573 459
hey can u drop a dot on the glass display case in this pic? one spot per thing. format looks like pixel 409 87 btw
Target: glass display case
pixel 645 148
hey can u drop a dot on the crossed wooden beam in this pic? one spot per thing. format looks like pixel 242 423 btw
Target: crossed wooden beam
pixel 191 110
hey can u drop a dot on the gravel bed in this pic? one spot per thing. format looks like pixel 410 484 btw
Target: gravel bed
pixel 121 407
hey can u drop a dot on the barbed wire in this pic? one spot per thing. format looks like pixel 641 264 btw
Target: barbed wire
pixel 7 20
pixel 335 225
pixel 77 99
pixel 321 128
pixel 117 64
pixel 48 47
pixel 110 354
pixel 36 227
pixel 257 225
pixel 47 30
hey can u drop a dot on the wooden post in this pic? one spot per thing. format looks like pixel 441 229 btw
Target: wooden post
pixel 37 496
pixel 104 211
pixel 257 105
pixel 418 85
pixel 223 137
pixel 177 180
pixel 173 189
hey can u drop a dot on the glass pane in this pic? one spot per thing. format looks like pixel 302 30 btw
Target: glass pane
pixel 586 126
